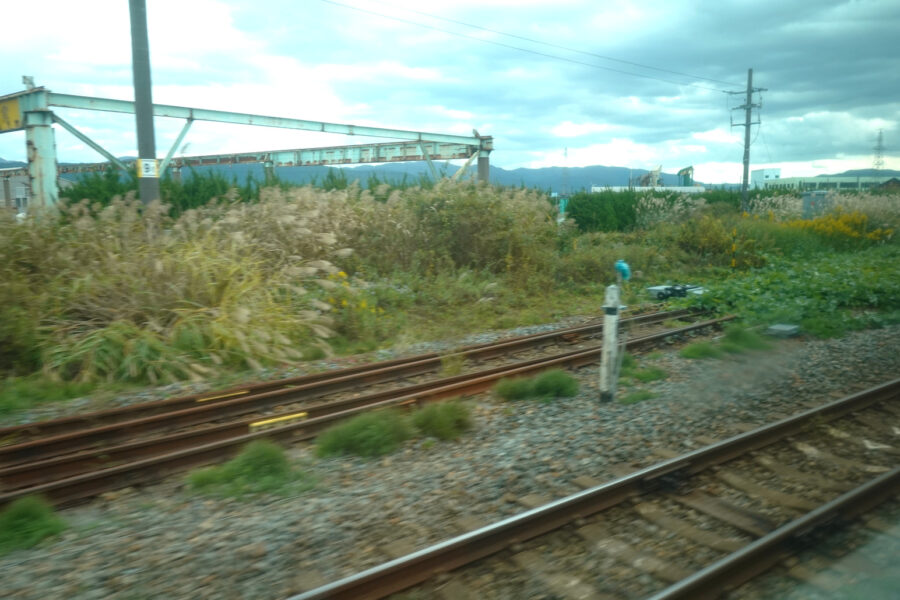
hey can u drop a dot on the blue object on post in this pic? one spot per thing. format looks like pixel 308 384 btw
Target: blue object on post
pixel 623 269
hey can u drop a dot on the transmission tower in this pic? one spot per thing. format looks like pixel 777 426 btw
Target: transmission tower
pixel 878 162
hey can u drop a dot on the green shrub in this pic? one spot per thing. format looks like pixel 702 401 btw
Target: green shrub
pixel 603 211
pixel 27 521
pixel 261 467
pixel 549 384
pixel 819 294
pixel 555 384
pixel 700 350
pixel 637 396
pixel 369 434
pixel 514 389
pixel 444 420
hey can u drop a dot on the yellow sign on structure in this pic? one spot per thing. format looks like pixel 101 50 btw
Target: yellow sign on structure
pixel 10 117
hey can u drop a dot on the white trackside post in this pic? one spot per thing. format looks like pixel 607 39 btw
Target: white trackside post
pixel 609 360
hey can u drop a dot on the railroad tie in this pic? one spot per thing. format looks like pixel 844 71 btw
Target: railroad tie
pixel 561 584
pixel 619 550
pixel 736 516
pixel 754 489
pixel 845 463
pixel 809 479
pixel 683 528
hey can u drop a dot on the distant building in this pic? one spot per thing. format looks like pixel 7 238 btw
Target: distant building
pixel 892 184
pixel 15 191
pixel 838 182
pixel 760 177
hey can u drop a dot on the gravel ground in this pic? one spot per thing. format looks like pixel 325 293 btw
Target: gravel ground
pixel 162 541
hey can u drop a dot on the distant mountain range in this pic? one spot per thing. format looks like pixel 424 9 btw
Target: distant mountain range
pixel 554 179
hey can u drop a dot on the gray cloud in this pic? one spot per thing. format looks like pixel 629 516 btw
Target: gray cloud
pixel 830 69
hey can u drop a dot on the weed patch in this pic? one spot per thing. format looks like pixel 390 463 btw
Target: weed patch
pixel 737 339
pixel 700 350
pixel 26 522
pixel 452 364
pixel 649 374
pixel 514 389
pixel 444 420
pixel 369 434
pixel 638 396
pixel 260 468
pixel 549 384
pixel 555 384
pixel 19 393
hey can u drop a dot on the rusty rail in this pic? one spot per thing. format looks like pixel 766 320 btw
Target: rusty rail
pixel 196 408
pixel 404 572
pixel 63 480
pixel 761 555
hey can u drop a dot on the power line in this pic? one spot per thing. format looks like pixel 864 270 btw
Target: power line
pixel 559 46
pixel 519 48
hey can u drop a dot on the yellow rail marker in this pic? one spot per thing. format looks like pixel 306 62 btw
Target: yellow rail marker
pixel 240 393
pixel 293 417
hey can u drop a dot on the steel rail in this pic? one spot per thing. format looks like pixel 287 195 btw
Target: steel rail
pixel 235 402
pixel 415 365
pixel 759 556
pixel 404 572
pixel 84 485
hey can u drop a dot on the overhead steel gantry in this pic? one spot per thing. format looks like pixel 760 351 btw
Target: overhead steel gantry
pixel 30 110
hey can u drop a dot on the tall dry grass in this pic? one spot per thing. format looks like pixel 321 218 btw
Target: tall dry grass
pixel 126 293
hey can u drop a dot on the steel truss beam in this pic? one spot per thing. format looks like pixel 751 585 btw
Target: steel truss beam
pixel 34 104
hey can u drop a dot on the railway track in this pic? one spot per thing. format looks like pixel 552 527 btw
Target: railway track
pixel 74 458
pixel 693 526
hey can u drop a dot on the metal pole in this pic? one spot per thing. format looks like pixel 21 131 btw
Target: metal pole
pixel 745 204
pixel 608 358
pixel 147 167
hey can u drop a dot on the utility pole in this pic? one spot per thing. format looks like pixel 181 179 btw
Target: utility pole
pixel 878 161
pixel 147 166
pixel 748 107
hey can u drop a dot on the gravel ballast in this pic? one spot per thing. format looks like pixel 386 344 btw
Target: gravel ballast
pixel 163 541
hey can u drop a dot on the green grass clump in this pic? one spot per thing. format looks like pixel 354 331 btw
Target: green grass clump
pixel 638 396
pixel 452 364
pixel 26 522
pixel 369 434
pixel 549 384
pixel 648 374
pixel 445 421
pixel 19 393
pixel 700 350
pixel 261 467
pixel 514 389
pixel 555 384
pixel 743 339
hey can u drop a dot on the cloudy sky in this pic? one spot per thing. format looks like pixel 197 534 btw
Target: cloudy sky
pixel 616 83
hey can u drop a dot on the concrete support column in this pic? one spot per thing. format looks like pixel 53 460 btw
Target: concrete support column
pixel 484 167
pixel 269 170
pixel 40 143
pixel 176 174
pixel 7 194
